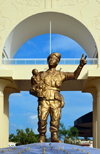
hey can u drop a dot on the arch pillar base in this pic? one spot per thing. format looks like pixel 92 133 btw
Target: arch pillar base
pixel 4 111
pixel 93 86
pixel 3 84
pixel 7 92
pixel 93 91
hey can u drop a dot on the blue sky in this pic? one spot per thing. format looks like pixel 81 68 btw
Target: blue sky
pixel 23 106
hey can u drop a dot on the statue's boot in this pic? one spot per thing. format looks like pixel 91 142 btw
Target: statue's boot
pixel 42 138
pixel 54 137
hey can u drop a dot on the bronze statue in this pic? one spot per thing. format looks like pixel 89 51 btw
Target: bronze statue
pixel 46 86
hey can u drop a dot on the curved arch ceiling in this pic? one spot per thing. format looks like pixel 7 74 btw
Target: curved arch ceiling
pixel 39 24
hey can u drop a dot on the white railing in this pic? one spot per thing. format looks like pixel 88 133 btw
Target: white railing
pixel 90 61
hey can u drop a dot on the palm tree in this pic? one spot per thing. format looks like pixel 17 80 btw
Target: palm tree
pixel 67 134
pixel 62 132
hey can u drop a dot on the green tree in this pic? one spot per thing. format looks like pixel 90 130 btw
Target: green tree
pixel 73 132
pixel 62 132
pixel 86 138
pixel 22 137
pixel 65 134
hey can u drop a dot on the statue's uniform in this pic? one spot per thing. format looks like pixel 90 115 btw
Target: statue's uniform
pixel 51 100
pixel 46 87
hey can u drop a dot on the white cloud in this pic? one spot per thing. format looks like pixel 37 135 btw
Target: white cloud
pixel 74 112
pixel 21 94
pixel 31 43
pixel 60 42
pixel 14 126
pixel 35 131
pixel 32 122
pixel 24 102
pixel 25 114
pixel 66 101
pixel 33 117
pixel 16 95
pixel 48 133
pixel 10 114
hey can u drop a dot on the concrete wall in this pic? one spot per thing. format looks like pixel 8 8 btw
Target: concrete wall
pixel 21 20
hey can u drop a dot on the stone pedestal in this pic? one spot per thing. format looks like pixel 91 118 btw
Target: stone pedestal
pixel 50 148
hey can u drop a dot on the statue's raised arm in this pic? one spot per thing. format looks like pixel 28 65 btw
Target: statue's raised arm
pixel 83 62
pixel 76 73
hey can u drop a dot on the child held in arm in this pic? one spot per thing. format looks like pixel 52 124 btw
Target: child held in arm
pixel 36 84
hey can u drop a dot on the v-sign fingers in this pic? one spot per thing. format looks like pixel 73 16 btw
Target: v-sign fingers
pixel 82 56
pixel 85 57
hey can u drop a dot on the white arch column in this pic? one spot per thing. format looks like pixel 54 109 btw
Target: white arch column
pixel 93 91
pixel 96 109
pixel 94 94
pixel 3 84
pixel 95 122
pixel 98 116
pixel 7 92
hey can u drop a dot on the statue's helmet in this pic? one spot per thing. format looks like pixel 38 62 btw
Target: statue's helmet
pixel 56 54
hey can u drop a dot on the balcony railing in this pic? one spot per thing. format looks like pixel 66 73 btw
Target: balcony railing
pixel 90 61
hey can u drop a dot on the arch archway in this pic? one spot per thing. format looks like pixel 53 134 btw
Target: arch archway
pixel 39 24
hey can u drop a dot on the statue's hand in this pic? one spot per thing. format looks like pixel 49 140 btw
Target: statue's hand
pixel 83 60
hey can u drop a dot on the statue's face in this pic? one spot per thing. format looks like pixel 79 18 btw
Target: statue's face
pixel 53 61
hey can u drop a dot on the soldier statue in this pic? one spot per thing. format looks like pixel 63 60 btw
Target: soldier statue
pixel 46 86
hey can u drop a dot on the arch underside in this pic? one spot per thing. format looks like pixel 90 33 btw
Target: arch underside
pixel 39 24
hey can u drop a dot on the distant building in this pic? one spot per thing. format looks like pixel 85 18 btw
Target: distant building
pixel 85 125
pixel 12 144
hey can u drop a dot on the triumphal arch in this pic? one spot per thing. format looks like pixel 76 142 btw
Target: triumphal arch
pixel 20 20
